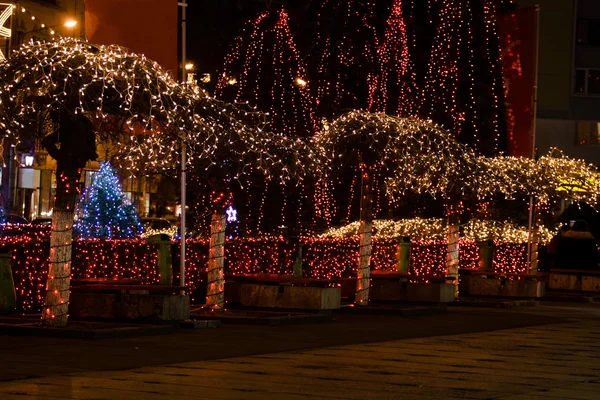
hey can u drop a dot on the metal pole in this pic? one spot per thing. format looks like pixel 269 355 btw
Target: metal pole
pixel 183 6
pixel 534 129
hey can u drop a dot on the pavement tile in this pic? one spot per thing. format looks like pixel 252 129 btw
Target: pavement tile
pixel 537 362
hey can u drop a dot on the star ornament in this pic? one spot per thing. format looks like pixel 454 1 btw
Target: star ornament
pixel 231 214
pixel 6 11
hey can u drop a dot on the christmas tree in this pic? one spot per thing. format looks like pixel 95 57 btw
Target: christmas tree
pixel 106 213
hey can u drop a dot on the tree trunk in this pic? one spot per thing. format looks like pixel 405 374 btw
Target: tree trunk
pixel 365 232
pixel 56 305
pixel 215 292
pixel 452 257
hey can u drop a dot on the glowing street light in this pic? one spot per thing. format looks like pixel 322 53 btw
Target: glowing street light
pixel 71 23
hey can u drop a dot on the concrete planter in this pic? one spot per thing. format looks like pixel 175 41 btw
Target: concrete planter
pixel 130 306
pixel 290 297
pixel 574 281
pixel 503 287
pixel 398 290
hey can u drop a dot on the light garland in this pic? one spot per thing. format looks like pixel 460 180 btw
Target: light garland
pixel 397 70
pixel 344 53
pixel 265 69
pixel 8 13
pixel 436 229
pixel 413 155
pixel 552 175
pixel 458 77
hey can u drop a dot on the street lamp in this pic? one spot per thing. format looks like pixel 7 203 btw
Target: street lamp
pixel 71 23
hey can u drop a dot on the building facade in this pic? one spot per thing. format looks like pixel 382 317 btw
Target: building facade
pixel 568 114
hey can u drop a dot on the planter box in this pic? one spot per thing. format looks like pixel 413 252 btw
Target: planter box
pixel 388 290
pixel 290 297
pixel 130 306
pixel 396 290
pixel 434 292
pixel 576 281
pixel 502 287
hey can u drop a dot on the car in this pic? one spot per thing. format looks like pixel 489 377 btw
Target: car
pixel 12 219
pixel 42 222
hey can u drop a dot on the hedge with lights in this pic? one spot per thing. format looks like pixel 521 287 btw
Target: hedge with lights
pixel 323 258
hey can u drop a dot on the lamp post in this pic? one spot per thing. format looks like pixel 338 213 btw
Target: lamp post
pixel 69 24
pixel 183 5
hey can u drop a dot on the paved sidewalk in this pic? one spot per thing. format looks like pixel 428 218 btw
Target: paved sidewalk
pixel 556 360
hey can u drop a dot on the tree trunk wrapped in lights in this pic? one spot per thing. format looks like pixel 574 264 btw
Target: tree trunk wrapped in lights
pixel 215 292
pixel 453 255
pixel 72 145
pixel 453 212
pixel 365 233
pixel 56 305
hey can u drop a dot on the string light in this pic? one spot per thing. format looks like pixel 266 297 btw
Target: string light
pixel 344 53
pixel 397 70
pixel 323 258
pixel 458 77
pixel 554 174
pixel 264 68
pixel 435 229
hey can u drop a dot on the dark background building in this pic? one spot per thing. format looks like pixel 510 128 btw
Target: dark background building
pixel 569 77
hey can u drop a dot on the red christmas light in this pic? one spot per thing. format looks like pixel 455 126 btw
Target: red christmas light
pixel 265 69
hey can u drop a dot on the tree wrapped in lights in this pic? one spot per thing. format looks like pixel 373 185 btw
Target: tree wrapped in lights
pixel 240 150
pixel 344 54
pixel 416 155
pixel 106 213
pixel 552 175
pixel 463 85
pixel 51 92
pixel 264 68
pixel 394 90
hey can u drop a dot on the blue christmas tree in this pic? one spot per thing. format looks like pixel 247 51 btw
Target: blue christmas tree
pixel 105 212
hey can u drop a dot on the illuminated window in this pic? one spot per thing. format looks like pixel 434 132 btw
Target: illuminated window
pixel 587 133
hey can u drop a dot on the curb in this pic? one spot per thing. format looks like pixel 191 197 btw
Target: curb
pixel 395 310
pixel 200 324
pixel 495 303
pixel 231 317
pixel 35 329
